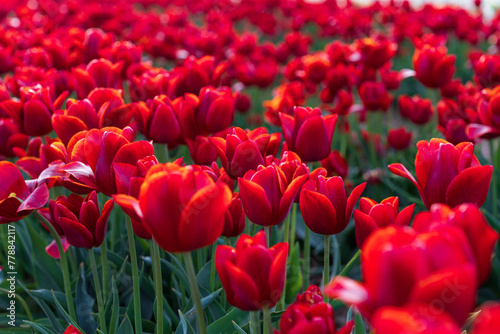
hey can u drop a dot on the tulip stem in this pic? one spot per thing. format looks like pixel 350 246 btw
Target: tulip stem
pixel 195 293
pixel 286 235
pixel 293 224
pixel 212 269
pixel 105 270
pixel 98 292
pixel 326 265
pixel 158 286
pixel 254 322
pixel 307 256
pixel 350 264
pixel 268 235
pixel 64 264
pixel 135 277
pixel 268 326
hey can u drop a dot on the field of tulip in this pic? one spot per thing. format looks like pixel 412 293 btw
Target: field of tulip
pixel 260 167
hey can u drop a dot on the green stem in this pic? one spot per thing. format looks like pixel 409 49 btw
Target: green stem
pixel 268 235
pixel 22 301
pixel 254 322
pixel 72 261
pixel 158 286
pixel 64 264
pixel 350 264
pixel 212 269
pixel 293 224
pixel 268 326
pixel 199 260
pixel 326 265
pixel 286 235
pixel 336 256
pixel 98 292
pixel 105 270
pixel 195 292
pixel 135 277
pixel 307 256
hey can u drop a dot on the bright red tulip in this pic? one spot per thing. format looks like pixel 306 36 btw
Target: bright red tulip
pixel 72 330
pixel 487 70
pixel 79 116
pixel 98 73
pixel 307 133
pixel 372 216
pixel 447 174
pixel 429 60
pixel 488 320
pixel 182 207
pixel 266 195
pixel 335 164
pixel 252 275
pixel 488 112
pixel 482 237
pixel 375 52
pixel 324 204
pixel 18 198
pixel 415 108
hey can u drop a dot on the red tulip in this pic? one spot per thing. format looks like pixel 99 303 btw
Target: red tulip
pixel 414 319
pixel 372 216
pixel 399 139
pixel 325 207
pixel 307 133
pixel 266 195
pixel 415 108
pixel 83 225
pixel 72 330
pixel 98 73
pixel 309 314
pixel 487 70
pixel 18 198
pixel 469 218
pixel 488 320
pixel 79 116
pixel 401 267
pixel 242 151
pixel 429 60
pixel 447 174
pixel 234 219
pixel 34 165
pixel 335 164
pixel 10 138
pixel 174 201
pixel 488 112
pixel 375 52
pixel 374 96
pixel 202 151
pixel 252 275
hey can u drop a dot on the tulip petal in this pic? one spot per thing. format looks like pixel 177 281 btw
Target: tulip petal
pixel 82 172
pixel 470 186
pixel 101 225
pixel 318 212
pixel 364 225
pixel 255 203
pixel 401 170
pixel 347 290
pixel 76 234
pixel 66 126
pixel 278 272
pixel 246 292
pixel 404 216
pixel 352 199
pixel 52 249
pixel 37 199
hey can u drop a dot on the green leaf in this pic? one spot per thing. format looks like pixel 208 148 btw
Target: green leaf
pixel 204 303
pixel 203 276
pixel 84 303
pixel 115 314
pixel 359 325
pixel 225 324
pixel 125 326
pixel 293 275
pixel 238 328
pixel 66 316
pixel 46 295
pixel 38 327
pixel 185 326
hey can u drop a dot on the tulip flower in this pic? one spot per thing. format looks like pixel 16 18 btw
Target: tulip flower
pixel 174 200
pixel 266 195
pixel 372 216
pixel 234 218
pixel 488 124
pixel 335 164
pixel 447 174
pixel 429 60
pixel 98 73
pixel 308 134
pixel 34 165
pixel 488 320
pixel 309 314
pixel 253 275
pixel 374 96
pixel 399 139
pixel 18 198
pixel 83 225
pixel 453 120
pixel 242 151
pixel 481 236
pixel 72 330
pixel 79 116
pixel 324 205
pixel 401 267
pixel 202 151
pixel 10 138
pixel 375 52
pixel 416 109
pixel 487 70
pixel 414 319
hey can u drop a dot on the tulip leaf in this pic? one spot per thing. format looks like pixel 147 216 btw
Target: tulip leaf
pixel 205 301
pixel 203 276
pixel 225 324
pixel 115 313
pixel 84 303
pixel 359 325
pixel 125 327
pixel 293 275
pixel 238 328
pixel 66 316
pixel 38 327
pixel 185 326
pixel 167 327
pixel 46 295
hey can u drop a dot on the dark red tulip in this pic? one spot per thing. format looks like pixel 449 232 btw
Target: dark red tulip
pixel 309 314
pixel 488 112
pixel 234 219
pixel 429 60
pixel 324 204
pixel 335 164
pixel 252 275
pixel 18 198
pixel 447 174
pixel 372 216
pixel 174 201
pixel 10 138
pixel 399 139
pixel 202 151
pixel 487 70
pixel 35 164
pixel 83 225
pixel 375 52
pixel 401 267
pixel 415 108
pixel 242 151
pixel 488 320
pixel 307 133
pixel 266 195
pixel 374 96
pixel 482 237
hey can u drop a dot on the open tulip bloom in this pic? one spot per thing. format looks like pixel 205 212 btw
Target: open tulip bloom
pixel 199 167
